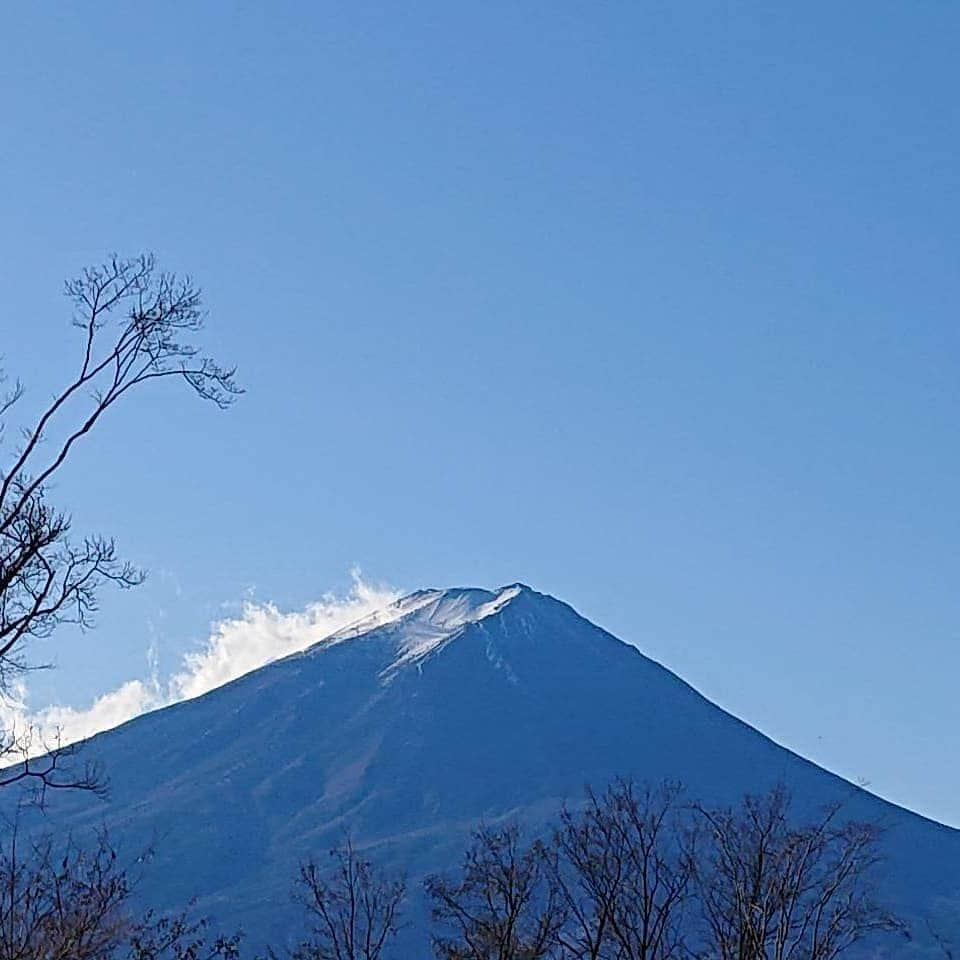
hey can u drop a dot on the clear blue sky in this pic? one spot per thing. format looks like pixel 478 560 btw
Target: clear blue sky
pixel 650 305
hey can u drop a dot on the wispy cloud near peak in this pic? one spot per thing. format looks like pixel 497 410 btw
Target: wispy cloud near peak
pixel 262 633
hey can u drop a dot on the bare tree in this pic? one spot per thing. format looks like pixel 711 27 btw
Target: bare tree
pixel 60 902
pixel 620 875
pixel 773 890
pixel 587 868
pixel 135 323
pixel 177 937
pixel 502 907
pixel 354 907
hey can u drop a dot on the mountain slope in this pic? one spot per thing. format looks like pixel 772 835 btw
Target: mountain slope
pixel 409 727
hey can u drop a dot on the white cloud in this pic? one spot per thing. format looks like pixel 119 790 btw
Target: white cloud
pixel 236 646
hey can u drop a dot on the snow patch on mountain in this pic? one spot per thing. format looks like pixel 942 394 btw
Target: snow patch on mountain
pixel 424 622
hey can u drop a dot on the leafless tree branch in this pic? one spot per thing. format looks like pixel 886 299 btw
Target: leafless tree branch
pixel 503 906
pixel 770 889
pixel 354 908
pixel 136 324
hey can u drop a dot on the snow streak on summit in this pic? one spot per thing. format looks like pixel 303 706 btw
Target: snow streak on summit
pixel 424 621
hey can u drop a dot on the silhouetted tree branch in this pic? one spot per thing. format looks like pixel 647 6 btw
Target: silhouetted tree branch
pixel 353 907
pixel 31 759
pixel 502 907
pixel 770 889
pixel 135 324
pixel 60 902
pixel 619 872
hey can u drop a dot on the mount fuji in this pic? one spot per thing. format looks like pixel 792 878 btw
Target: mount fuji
pixel 411 726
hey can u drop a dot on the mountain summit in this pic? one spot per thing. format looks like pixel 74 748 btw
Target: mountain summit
pixel 425 621
pixel 409 727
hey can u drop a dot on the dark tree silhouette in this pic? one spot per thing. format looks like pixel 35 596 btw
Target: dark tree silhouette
pixel 770 889
pixel 135 325
pixel 353 907
pixel 637 874
pixel 502 907
pixel 60 902
pixel 620 875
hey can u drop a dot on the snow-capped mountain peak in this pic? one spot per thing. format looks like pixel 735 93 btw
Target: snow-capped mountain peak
pixel 423 622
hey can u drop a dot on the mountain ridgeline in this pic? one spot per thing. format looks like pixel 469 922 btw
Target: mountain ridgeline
pixel 408 729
